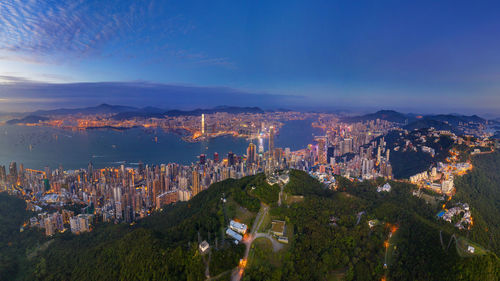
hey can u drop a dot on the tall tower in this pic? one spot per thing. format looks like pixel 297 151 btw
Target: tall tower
pixel 196 182
pixel 13 172
pixel 378 154
pixel 271 139
pixel 203 124
pixel 261 145
pixel 251 155
pixel 321 150
pixel 387 152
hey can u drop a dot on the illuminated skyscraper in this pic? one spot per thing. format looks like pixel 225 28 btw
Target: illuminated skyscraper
pixel 321 149
pixel 196 182
pixel 251 153
pixel 13 172
pixel 261 145
pixel 203 124
pixel 271 139
pixel 379 152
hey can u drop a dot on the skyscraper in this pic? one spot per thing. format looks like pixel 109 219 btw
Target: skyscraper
pixel 321 150
pixel 216 157
pixel 13 172
pixel 330 152
pixel 3 175
pixel 261 145
pixel 196 182
pixel 230 159
pixel 271 139
pixel 203 124
pixel 251 153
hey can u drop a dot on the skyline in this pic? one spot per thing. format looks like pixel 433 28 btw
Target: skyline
pixel 426 57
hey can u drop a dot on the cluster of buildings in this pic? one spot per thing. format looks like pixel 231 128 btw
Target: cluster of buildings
pixel 440 179
pixel 59 221
pixel 236 230
pixel 196 127
pixel 125 194
pixel 462 212
pixel 356 150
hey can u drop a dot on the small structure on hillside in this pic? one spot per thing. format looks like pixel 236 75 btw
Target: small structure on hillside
pixel 386 187
pixel 278 228
pixel 204 246
pixel 241 228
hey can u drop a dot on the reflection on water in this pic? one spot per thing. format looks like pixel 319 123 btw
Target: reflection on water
pixel 37 147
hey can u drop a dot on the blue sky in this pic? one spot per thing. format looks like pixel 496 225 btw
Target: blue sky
pixel 425 56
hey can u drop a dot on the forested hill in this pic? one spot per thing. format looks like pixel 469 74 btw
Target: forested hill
pixel 481 188
pixel 328 231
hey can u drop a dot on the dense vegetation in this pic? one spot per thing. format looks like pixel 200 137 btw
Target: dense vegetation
pixel 15 246
pixel 408 163
pixel 302 184
pixel 481 189
pixel 326 231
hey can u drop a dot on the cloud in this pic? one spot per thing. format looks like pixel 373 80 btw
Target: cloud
pixel 21 94
pixel 37 31
pixel 37 26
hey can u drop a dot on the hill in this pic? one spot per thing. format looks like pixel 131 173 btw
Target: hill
pixel 481 188
pixel 27 120
pixel 100 109
pixel 409 161
pixel 388 115
pixel 426 123
pixel 450 122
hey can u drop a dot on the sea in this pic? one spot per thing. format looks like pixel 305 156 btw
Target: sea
pixel 38 147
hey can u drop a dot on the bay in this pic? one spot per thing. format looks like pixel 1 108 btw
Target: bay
pixel 37 147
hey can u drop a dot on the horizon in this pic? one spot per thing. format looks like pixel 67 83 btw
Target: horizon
pixel 354 111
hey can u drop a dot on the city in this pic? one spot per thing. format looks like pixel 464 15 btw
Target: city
pixel 249 140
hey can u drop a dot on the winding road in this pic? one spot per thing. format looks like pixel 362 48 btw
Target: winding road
pixel 238 271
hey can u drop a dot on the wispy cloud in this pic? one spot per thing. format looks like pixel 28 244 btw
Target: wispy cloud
pixel 46 27
pixel 48 31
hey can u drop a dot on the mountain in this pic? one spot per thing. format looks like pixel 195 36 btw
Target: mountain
pixel 30 119
pixel 456 120
pixel 100 109
pixel 426 123
pixel 388 115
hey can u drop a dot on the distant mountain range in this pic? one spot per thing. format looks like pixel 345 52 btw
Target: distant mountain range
pixel 147 113
pixel 127 112
pixel 100 109
pixel 412 121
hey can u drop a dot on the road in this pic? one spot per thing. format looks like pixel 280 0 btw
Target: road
pixel 238 271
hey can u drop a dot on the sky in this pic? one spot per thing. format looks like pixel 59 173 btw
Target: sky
pixel 412 56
